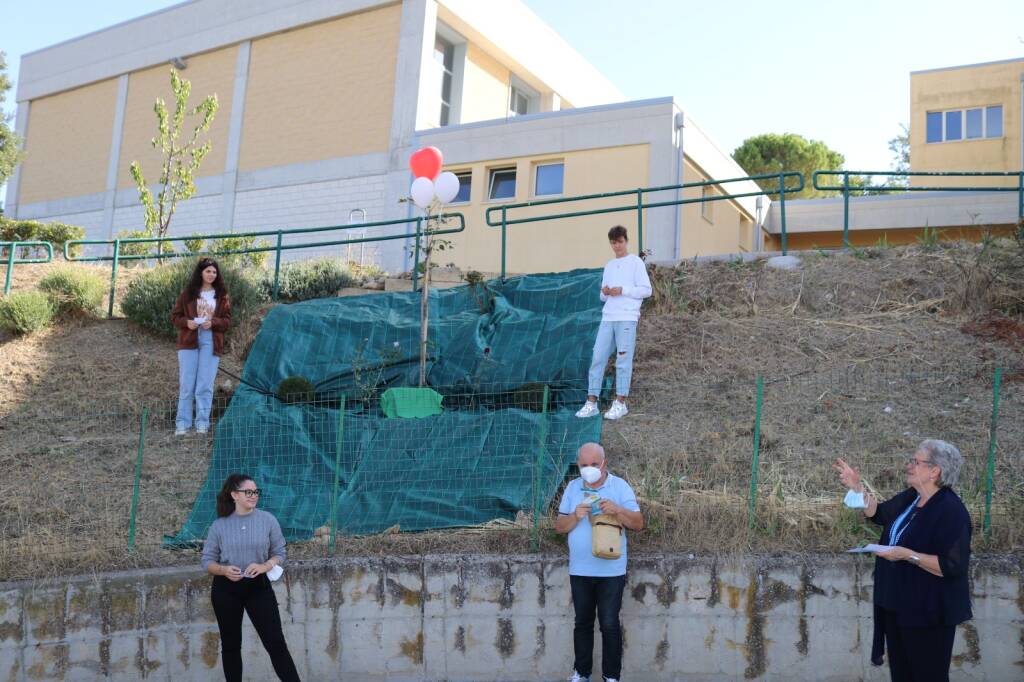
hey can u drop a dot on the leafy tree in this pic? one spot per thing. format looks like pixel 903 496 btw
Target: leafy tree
pixel 10 143
pixel 900 148
pixel 179 160
pixel 775 153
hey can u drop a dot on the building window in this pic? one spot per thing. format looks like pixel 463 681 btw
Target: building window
pixel 707 207
pixel 964 124
pixel 444 61
pixel 522 99
pixel 550 179
pixel 465 187
pixel 994 121
pixel 502 184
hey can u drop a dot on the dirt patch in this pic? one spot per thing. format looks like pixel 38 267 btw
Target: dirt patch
pixel 861 355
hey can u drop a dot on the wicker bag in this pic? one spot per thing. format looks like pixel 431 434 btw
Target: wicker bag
pixel 606 536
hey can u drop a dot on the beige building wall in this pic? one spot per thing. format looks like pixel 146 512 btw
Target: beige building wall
pixel 485 88
pixel 962 88
pixel 535 247
pixel 321 91
pixel 711 227
pixel 210 74
pixel 67 148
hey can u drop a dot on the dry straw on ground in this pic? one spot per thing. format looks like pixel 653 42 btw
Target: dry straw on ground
pixel 863 355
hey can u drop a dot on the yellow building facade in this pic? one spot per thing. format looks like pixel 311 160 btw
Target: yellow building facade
pixel 320 108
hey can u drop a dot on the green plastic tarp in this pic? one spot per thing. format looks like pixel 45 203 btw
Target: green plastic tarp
pixel 497 448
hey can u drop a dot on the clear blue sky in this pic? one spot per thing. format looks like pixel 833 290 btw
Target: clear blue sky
pixel 838 72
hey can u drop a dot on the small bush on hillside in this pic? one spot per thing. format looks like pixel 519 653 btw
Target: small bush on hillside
pixel 319 278
pixel 33 230
pixel 24 312
pixel 151 295
pixel 74 291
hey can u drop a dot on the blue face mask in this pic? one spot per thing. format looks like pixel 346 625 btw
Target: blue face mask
pixel 854 500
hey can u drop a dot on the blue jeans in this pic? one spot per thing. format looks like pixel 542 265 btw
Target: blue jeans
pixel 618 338
pixel 196 371
pixel 603 595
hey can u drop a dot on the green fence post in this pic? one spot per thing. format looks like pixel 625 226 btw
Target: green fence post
pixel 782 210
pixel 541 452
pixel 846 209
pixel 113 277
pixel 138 477
pixel 10 267
pixel 640 218
pixel 756 457
pixel 337 470
pixel 277 266
pixel 504 228
pixel 990 474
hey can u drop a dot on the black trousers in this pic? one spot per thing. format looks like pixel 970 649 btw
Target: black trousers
pixel 918 654
pixel 256 597
pixel 605 596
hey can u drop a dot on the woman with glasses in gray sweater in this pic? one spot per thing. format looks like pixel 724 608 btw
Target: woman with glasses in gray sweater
pixel 242 546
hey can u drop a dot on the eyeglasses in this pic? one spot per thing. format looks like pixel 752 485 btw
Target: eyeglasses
pixel 249 492
pixel 914 461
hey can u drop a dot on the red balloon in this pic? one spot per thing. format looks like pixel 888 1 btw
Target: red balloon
pixel 426 163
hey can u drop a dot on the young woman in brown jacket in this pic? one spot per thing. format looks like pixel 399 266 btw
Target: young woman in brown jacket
pixel 201 315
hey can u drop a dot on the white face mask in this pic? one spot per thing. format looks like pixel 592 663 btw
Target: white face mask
pixel 590 474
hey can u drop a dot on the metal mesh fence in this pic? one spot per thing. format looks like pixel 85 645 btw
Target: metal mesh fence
pixel 102 490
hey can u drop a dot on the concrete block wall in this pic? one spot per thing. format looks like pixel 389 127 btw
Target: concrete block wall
pixel 796 617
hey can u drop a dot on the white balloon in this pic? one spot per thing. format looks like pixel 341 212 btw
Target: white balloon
pixel 447 186
pixel 422 192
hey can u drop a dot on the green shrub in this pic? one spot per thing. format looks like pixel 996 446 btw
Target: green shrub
pixel 151 295
pixel 295 389
pixel 23 312
pixel 320 278
pixel 240 244
pixel 74 291
pixel 33 230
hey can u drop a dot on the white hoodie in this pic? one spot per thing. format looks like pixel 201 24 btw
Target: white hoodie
pixel 630 273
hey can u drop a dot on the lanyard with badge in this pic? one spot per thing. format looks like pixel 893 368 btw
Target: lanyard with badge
pixel 899 527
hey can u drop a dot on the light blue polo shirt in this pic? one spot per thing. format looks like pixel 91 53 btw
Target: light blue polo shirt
pixel 581 556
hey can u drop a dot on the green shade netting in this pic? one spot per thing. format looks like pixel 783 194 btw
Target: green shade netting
pixel 493 451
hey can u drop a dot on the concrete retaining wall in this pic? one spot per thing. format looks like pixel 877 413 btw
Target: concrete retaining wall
pixel 496 618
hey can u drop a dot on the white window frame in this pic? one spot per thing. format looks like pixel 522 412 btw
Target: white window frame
pixel 517 85
pixel 458 43
pixel 491 172
pixel 707 211
pixel 963 123
pixel 550 162
pixel 460 174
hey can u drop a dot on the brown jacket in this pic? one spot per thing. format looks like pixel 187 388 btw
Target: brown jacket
pixel 185 310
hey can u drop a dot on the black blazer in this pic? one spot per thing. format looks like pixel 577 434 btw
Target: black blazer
pixel 943 528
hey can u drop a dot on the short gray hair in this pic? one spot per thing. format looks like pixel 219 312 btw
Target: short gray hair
pixel 592 446
pixel 945 456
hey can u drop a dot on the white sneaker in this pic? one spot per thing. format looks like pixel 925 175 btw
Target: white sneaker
pixel 610 679
pixel 202 429
pixel 180 432
pixel 617 410
pixel 576 677
pixel 589 409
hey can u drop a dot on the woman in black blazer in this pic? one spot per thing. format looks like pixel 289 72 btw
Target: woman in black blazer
pixel 921 582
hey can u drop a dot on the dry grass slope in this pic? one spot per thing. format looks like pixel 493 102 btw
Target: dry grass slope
pixel 863 354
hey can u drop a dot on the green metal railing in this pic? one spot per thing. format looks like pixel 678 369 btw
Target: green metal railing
pixel 846 187
pixel 278 247
pixel 11 260
pixel 638 205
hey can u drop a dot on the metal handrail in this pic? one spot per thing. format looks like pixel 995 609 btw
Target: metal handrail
pixel 845 188
pixel 639 204
pixel 277 248
pixel 12 259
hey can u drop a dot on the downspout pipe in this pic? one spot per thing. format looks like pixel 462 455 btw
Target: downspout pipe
pixel 679 123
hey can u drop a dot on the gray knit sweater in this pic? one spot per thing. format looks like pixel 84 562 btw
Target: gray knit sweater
pixel 242 540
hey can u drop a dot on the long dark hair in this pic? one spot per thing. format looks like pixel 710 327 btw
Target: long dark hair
pixel 195 283
pixel 225 503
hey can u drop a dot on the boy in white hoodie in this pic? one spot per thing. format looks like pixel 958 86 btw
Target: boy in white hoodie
pixel 624 286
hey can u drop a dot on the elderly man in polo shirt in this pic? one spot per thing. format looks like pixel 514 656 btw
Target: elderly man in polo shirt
pixel 597 584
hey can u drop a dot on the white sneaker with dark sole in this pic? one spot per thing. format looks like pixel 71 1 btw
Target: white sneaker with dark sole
pixel 589 409
pixel 618 410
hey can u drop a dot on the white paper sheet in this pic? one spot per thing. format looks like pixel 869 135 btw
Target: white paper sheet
pixel 870 548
